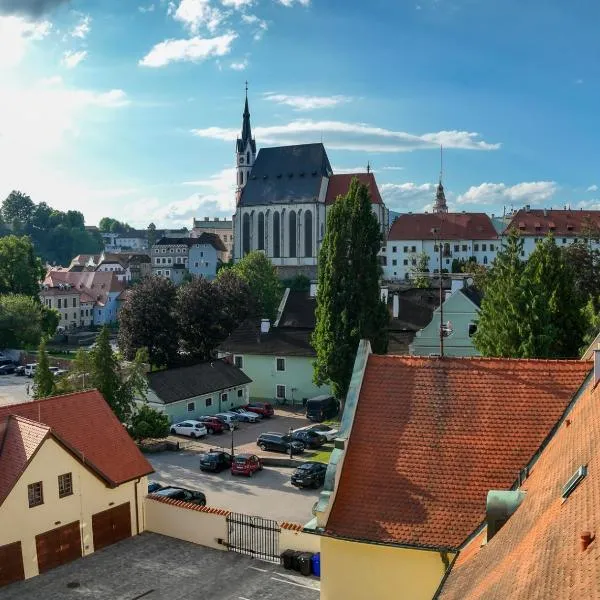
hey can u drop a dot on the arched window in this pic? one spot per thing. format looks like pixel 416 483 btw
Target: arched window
pixel 276 236
pixel 245 234
pixel 292 233
pixel 247 158
pixel 308 233
pixel 485 260
pixel 261 231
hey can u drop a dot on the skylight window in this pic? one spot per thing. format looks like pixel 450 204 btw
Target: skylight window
pixel 574 481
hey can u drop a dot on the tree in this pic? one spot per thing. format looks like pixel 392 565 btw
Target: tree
pixel 198 317
pixel 43 381
pixel 109 225
pixel 20 269
pixel 265 288
pixel 349 306
pixel 105 373
pixel 148 423
pixel 147 320
pixel 235 300
pixel 584 262
pixel 24 321
pixel 17 207
pixel 418 271
pixel 499 325
pixel 152 235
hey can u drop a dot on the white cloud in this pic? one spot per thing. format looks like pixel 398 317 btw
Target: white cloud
pixel 410 196
pixel 593 188
pixel 72 59
pixel 16 35
pixel 237 4
pixel 195 14
pixel 195 49
pixel 289 3
pixel 146 9
pixel 307 102
pixel 532 192
pixel 338 135
pixel 261 25
pixel 392 168
pixel 343 170
pixel 592 204
pixel 82 28
pixel 239 66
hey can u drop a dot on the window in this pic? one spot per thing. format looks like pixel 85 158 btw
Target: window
pixel 277 236
pixel 476 247
pixel 472 329
pixel 413 249
pixel 238 361
pixel 564 240
pixel 59 303
pixel 405 261
pixel 281 364
pixel 74 302
pixel 395 262
pixel 170 260
pixel 196 264
pixel 240 393
pixel 405 248
pixel 75 316
pixel 167 273
pixel 245 234
pixel 82 312
pixel 522 252
pixel 280 392
pixel 65 485
pixel 413 262
pixel 65 316
pixel 483 247
pixel 456 247
pixel 464 247
pixel 447 261
pixel 491 247
pixel 485 260
pixel 224 397
pixel 208 402
pixel 575 240
pixel 35 493
pixel 393 248
pixel 308 234
pixel 292 236
pixel 159 272
pixel 191 406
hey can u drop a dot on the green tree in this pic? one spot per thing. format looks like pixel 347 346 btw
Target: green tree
pixel 148 423
pixel 152 235
pixel 584 261
pixel 43 381
pixel 109 225
pixel 419 271
pixel 147 320
pixel 20 269
pixel 105 373
pixel 24 321
pixel 17 207
pixel 235 300
pixel 349 306
pixel 499 328
pixel 265 288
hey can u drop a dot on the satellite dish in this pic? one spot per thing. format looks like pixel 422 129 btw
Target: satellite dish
pixel 469 281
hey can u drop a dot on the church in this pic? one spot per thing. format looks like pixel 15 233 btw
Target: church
pixel 282 199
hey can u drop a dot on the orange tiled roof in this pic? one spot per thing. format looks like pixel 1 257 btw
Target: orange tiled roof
pixel 560 223
pixel 432 436
pixel 537 553
pixel 450 226
pixel 85 423
pixel 340 184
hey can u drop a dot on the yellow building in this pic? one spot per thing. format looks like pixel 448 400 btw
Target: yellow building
pixel 421 443
pixel 66 489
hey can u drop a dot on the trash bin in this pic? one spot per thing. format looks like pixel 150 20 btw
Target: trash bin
pixel 288 559
pixel 316 564
pixel 304 563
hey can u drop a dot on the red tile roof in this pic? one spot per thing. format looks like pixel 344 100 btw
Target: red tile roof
pixel 340 184
pixel 452 226
pixel 21 440
pixel 95 284
pixel 537 553
pixel 85 423
pixel 432 436
pixel 558 222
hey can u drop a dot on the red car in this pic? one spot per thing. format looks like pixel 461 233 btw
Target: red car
pixel 212 424
pixel 262 408
pixel 246 464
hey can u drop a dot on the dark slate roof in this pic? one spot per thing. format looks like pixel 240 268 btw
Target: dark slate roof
pixel 186 382
pixel 169 241
pixel 474 295
pixel 246 132
pixel 287 174
pixel 299 311
pixel 205 238
pixel 415 308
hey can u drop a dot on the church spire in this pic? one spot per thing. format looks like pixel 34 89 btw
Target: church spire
pixel 245 150
pixel 246 130
pixel 440 205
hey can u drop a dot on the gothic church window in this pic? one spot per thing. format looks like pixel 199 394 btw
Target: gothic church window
pixel 245 234
pixel 261 231
pixel 292 235
pixel 276 236
pixel 308 234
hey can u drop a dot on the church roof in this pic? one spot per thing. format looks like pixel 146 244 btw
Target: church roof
pixel 287 175
pixel 340 184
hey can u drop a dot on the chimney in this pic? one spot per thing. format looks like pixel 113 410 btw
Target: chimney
pixel 313 290
pixel 265 325
pixel 527 208
pixel 500 505
pixel 596 366
pixel 395 306
pixel 585 539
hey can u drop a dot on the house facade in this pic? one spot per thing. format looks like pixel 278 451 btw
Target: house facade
pixel 203 389
pixel 461 310
pixel 110 263
pixel 63 495
pixel 223 228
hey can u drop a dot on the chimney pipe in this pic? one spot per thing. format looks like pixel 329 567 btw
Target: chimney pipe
pixel 585 540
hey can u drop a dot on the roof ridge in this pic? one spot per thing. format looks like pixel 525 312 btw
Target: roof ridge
pixel 29 421
pixel 39 400
pixel 569 361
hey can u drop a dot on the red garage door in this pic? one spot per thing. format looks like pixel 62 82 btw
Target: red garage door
pixel 58 546
pixel 112 525
pixel 11 564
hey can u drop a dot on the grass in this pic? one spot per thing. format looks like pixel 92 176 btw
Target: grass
pixel 320 455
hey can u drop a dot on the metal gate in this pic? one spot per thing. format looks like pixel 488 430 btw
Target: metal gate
pixel 253 536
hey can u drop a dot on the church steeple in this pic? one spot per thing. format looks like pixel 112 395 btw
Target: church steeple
pixel 245 149
pixel 440 205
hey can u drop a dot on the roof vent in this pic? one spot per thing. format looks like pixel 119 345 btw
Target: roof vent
pixel 574 481
pixel 265 176
pixel 301 173
pixel 279 176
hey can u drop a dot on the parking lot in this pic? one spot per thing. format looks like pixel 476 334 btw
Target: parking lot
pixel 155 567
pixel 13 389
pixel 268 494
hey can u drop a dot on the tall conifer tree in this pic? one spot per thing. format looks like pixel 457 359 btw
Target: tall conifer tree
pixel 43 382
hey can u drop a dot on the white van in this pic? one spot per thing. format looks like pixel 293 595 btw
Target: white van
pixel 30 369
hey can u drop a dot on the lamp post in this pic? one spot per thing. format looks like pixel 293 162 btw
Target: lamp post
pixel 232 427
pixel 291 441
pixel 438 240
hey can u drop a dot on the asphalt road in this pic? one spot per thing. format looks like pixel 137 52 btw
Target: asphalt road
pixel 13 389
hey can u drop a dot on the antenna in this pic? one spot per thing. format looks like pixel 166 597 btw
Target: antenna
pixel 246 88
pixel 441 162
pixel 368 166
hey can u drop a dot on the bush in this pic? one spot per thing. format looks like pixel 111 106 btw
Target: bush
pixel 148 423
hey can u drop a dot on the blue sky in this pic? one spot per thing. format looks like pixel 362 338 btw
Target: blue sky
pixel 130 108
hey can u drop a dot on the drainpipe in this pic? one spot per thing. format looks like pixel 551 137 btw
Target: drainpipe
pixel 137 514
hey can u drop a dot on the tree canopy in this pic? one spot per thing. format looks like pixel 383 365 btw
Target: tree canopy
pixel 43 379
pixel 349 305
pixel 24 321
pixel 110 225
pixel 20 269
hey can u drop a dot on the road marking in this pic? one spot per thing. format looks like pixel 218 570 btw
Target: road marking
pixel 242 598
pixel 261 570
pixel 308 587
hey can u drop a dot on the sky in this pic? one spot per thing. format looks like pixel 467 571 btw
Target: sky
pixel 130 108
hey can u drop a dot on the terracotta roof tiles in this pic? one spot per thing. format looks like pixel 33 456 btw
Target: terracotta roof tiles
pixel 445 433
pixel 340 184
pixel 558 222
pixel 452 226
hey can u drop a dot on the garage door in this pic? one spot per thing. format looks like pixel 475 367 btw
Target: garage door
pixel 58 546
pixel 112 525
pixel 11 563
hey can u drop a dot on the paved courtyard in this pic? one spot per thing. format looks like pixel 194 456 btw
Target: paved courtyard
pixel 13 389
pixel 155 567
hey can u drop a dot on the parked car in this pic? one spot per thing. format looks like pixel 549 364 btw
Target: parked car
pixel 230 420
pixel 321 408
pixel 215 461
pixel 310 474
pixel 246 464
pixel 7 369
pixel 176 493
pixel 261 408
pixel 20 370
pixel 330 433
pixel 30 369
pixel 246 415
pixel 213 425
pixel 57 372
pixel 193 429
pixel 279 442
pixel 311 439
pixel 154 486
